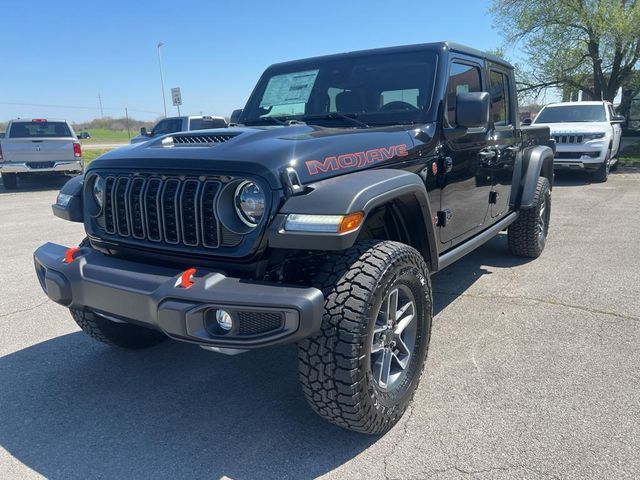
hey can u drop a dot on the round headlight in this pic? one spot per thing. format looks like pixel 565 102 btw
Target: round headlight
pixel 250 203
pixel 98 191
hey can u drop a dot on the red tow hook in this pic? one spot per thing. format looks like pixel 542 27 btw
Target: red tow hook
pixel 68 255
pixel 186 279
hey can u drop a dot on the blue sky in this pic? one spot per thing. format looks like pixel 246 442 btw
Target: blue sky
pixel 66 53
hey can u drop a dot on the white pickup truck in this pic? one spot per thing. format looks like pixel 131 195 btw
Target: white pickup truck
pixel 587 136
pixel 38 147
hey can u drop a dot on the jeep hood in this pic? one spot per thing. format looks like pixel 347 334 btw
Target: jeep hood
pixel 314 152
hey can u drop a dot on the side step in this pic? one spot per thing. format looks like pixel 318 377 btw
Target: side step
pixel 470 245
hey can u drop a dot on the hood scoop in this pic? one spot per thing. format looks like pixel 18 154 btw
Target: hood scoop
pixel 201 139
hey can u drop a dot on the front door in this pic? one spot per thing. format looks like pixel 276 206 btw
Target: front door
pixel 465 181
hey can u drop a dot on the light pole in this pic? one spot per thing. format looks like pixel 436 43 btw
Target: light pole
pixel 164 102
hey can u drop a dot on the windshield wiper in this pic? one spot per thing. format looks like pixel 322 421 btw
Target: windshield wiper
pixel 336 115
pixel 275 120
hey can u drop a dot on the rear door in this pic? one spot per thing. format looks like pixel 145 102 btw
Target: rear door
pixel 504 140
pixel 39 141
pixel 466 183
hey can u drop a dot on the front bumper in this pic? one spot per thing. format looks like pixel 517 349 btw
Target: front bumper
pixel 151 296
pixel 71 166
pixel 585 156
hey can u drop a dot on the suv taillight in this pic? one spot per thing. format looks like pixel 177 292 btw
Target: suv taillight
pixel 77 150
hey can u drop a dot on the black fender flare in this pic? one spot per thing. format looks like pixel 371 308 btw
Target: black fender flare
pixel 72 210
pixel 359 191
pixel 535 162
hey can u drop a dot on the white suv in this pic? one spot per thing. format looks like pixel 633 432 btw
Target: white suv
pixel 587 135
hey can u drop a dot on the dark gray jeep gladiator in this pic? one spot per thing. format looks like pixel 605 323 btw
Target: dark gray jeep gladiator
pixel 318 219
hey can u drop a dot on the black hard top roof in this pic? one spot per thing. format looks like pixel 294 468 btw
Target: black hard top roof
pixel 434 46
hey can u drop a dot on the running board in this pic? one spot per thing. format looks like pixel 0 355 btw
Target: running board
pixel 470 245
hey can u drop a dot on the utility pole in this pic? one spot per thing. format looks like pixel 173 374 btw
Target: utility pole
pixel 126 114
pixel 100 102
pixel 164 101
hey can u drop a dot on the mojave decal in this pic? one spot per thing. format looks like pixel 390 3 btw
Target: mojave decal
pixel 356 159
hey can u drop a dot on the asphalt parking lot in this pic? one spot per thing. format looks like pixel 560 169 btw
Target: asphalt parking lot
pixel 533 371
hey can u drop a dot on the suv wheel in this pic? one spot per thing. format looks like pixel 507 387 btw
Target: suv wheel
pixel 362 369
pixel 9 180
pixel 527 236
pixel 602 173
pixel 124 335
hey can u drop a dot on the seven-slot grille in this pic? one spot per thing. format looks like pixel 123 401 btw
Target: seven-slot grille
pixel 173 211
pixel 569 138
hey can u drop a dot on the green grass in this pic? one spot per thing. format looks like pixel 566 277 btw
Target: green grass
pixel 630 156
pixel 89 155
pixel 103 135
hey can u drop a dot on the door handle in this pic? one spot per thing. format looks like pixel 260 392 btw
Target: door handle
pixel 487 157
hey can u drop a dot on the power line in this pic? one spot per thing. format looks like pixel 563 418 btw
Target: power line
pixel 79 107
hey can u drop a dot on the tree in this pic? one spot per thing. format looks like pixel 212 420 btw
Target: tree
pixel 589 45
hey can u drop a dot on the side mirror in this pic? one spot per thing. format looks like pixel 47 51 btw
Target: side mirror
pixel 143 131
pixel 526 122
pixel 618 119
pixel 472 109
pixel 235 116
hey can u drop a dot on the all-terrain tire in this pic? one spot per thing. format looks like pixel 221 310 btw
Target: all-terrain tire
pixel 9 180
pixel 335 366
pixel 124 335
pixel 601 175
pixel 527 236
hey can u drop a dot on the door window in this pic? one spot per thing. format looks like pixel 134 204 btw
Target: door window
pixel 500 99
pixel 169 125
pixel 463 78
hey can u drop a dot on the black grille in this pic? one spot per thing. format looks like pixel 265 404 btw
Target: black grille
pixel 172 211
pixel 253 323
pixel 36 165
pixel 201 139
pixel 569 138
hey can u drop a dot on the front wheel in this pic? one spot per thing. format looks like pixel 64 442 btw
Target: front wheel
pixel 119 334
pixel 601 175
pixel 362 369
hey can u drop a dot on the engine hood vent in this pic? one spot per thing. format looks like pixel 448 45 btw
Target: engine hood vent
pixel 199 139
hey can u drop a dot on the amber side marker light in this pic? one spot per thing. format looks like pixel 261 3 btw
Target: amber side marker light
pixel 350 222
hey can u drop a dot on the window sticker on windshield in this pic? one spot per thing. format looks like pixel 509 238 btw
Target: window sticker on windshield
pixel 289 88
pixel 462 89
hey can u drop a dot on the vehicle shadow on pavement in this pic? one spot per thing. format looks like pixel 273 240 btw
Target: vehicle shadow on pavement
pixel 36 184
pixel 572 178
pixel 453 281
pixel 73 408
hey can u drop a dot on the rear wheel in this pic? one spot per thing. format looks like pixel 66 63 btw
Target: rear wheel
pixel 9 180
pixel 527 236
pixel 362 369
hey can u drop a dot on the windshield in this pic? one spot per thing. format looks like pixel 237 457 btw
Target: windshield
pixel 572 113
pixel 376 89
pixel 39 129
